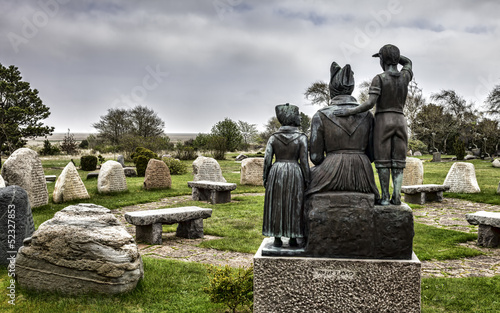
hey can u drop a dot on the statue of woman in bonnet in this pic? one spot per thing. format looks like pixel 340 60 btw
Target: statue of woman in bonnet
pixel 285 180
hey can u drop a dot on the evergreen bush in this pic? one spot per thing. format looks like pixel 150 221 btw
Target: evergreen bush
pixel 175 166
pixel 88 162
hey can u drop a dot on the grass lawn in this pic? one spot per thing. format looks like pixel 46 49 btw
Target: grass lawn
pixel 173 286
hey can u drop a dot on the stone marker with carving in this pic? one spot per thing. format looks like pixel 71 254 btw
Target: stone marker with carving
pixel 413 173
pixel 462 178
pixel 23 168
pixel 69 186
pixel 157 175
pixel 16 222
pixel 111 178
pixel 83 249
pixel 251 171
pixel 205 168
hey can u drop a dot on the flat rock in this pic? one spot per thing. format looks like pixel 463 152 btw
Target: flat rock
pixel 157 175
pixel 241 157
pixel 23 168
pixel 205 168
pixel 167 216
pixel 16 220
pixel 484 218
pixel 424 188
pixel 82 249
pixel 50 178
pixel 92 175
pixel 69 186
pixel 462 178
pixel 111 178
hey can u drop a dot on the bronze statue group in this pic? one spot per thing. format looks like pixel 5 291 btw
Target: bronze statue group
pixel 345 139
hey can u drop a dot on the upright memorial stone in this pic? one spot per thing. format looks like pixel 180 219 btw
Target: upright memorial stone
pixel 120 159
pixel 69 186
pixel 207 169
pixel 462 178
pixel 16 222
pixel 23 168
pixel 251 171
pixel 111 178
pixel 413 173
pixel 157 175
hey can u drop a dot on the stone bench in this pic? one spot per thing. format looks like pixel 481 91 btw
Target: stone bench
pixel 148 224
pixel 420 194
pixel 211 191
pixel 489 227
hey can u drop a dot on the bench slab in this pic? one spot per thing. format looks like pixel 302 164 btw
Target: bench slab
pixel 420 194
pixel 148 224
pixel 489 227
pixel 213 192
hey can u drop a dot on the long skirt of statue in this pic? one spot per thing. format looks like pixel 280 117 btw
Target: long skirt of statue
pixel 283 204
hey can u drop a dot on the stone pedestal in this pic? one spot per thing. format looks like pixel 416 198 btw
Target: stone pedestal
pixel 302 284
pixel 349 225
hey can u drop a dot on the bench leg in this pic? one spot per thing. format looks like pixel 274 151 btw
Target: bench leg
pixel 488 236
pixel 434 196
pixel 417 198
pixel 195 193
pixel 149 233
pixel 191 229
pixel 220 196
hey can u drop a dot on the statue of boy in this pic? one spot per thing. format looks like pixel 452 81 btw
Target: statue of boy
pixel 388 92
pixel 285 180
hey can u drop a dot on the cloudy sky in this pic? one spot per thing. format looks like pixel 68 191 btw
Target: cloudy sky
pixel 198 62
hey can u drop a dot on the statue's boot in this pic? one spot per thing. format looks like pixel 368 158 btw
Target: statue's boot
pixel 277 242
pixel 384 175
pixel 397 181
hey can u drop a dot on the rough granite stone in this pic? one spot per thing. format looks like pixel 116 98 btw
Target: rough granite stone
pixel 251 171
pixel 241 157
pixel 301 284
pixel 69 186
pixel 485 218
pixel 348 225
pixel 2 182
pixel 205 168
pixel 413 173
pixel 417 153
pixel 462 178
pixel 120 159
pixel 436 157
pixel 489 227
pixel 130 172
pixel 213 192
pixel 148 223
pixel 496 163
pixel 82 249
pixel 14 207
pixel 111 178
pixel 157 175
pixel 23 168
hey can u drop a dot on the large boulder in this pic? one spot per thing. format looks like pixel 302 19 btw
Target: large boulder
pixel 413 173
pixel 82 249
pixel 23 168
pixel 462 178
pixel 111 178
pixel 496 163
pixel 16 222
pixel 69 186
pixel 205 168
pixel 251 171
pixel 157 175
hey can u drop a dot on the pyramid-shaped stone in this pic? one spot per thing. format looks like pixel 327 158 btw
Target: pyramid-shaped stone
pixel 69 186
pixel 462 178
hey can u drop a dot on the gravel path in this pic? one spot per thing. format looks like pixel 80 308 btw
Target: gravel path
pixel 449 214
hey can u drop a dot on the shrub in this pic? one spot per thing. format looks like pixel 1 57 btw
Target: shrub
pixel 101 159
pixel 459 148
pixel 230 286
pixel 49 149
pixel 417 145
pixel 88 162
pixel 141 157
pixel 175 166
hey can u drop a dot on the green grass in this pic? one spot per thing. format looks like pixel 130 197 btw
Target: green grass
pixel 457 295
pixel 168 286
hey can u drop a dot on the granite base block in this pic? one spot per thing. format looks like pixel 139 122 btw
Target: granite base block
pixel 302 284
